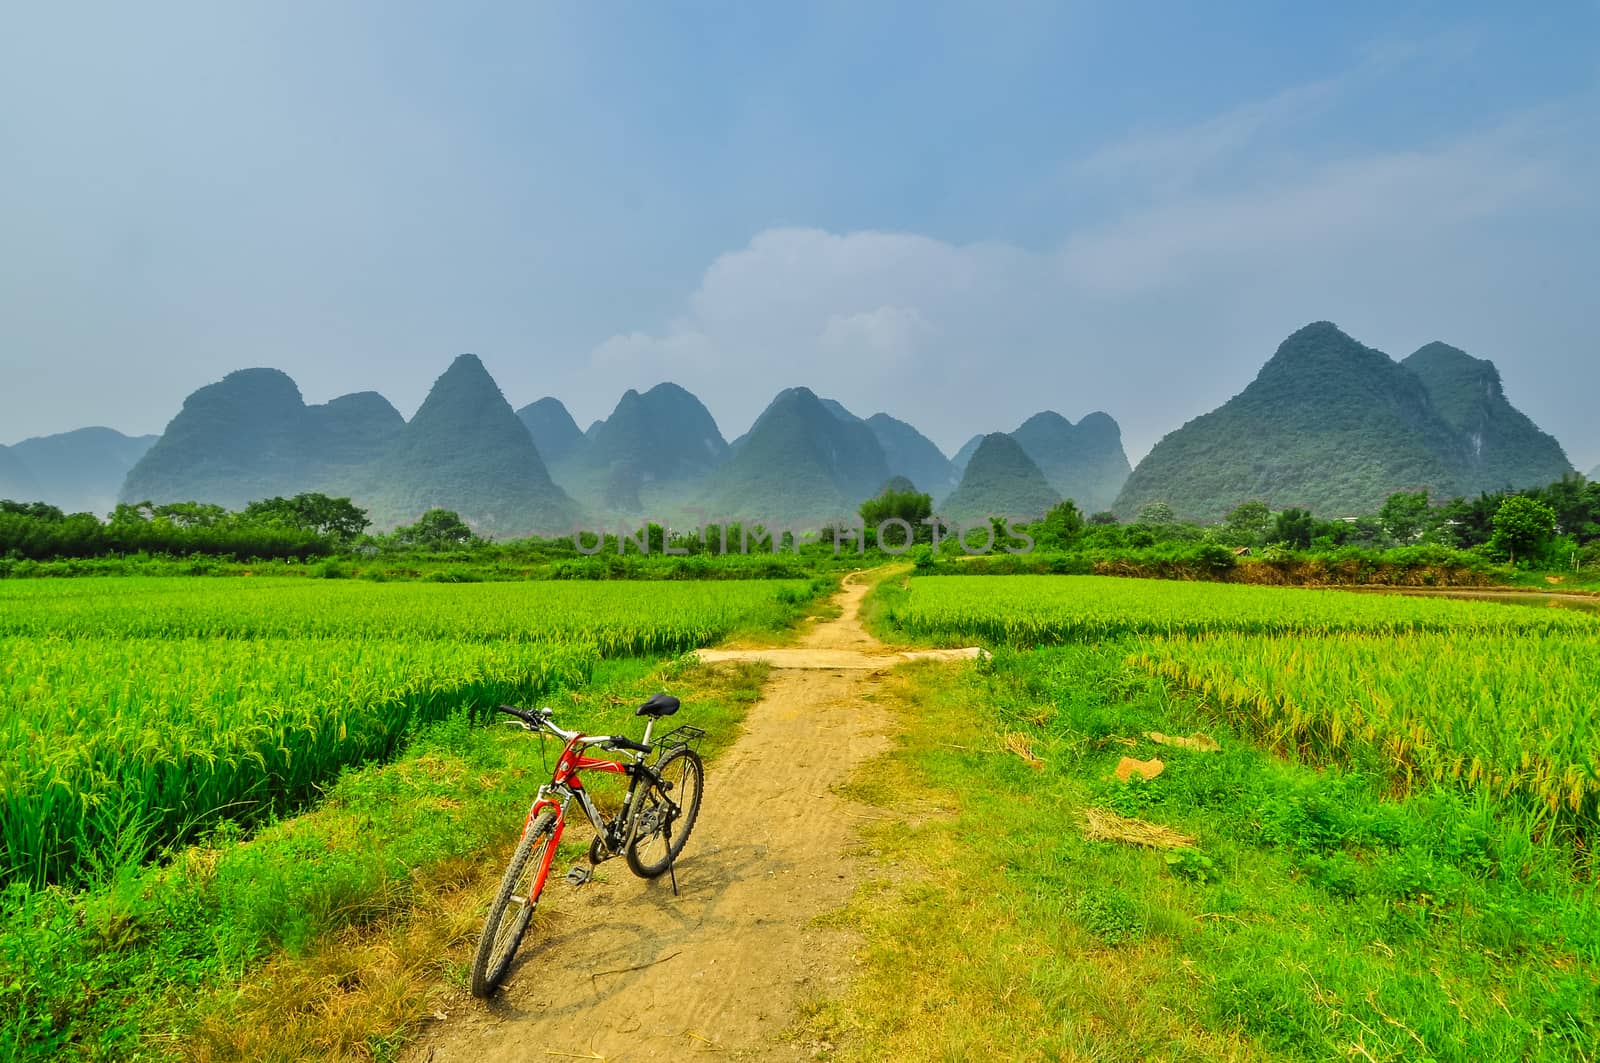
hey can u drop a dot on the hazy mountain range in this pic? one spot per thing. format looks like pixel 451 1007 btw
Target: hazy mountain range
pixel 1328 424
pixel 80 471
pixel 659 454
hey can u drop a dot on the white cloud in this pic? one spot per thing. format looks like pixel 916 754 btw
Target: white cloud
pixel 1169 161
pixel 1160 312
pixel 1172 159
pixel 860 316
pixel 893 333
pixel 1335 209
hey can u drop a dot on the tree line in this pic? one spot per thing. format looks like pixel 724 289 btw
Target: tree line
pixel 302 527
pixel 1550 526
pixel 1553 526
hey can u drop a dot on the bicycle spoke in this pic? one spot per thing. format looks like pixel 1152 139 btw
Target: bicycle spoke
pixel 666 815
pixel 513 906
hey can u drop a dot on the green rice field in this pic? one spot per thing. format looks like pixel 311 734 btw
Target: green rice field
pixel 136 712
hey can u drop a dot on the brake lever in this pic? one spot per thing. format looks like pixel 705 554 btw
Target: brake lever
pixel 522 724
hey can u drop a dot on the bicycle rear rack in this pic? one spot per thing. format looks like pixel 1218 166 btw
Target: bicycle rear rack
pixel 684 737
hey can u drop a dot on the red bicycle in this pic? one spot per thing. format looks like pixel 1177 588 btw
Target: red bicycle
pixel 658 812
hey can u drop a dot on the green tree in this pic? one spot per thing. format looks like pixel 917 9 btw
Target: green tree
pixel 36 510
pixel 312 512
pixel 1466 523
pixel 1062 526
pixel 1523 527
pixel 1104 517
pixel 192 514
pixel 1248 522
pixel 913 507
pixel 131 513
pixel 1294 528
pixel 437 529
pixel 1576 501
pixel 1365 531
pixel 1155 514
pixel 1406 514
pixel 338 517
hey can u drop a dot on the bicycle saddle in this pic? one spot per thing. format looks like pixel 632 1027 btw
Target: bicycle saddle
pixel 658 706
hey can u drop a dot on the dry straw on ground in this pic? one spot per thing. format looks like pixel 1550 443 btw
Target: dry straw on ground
pixel 1022 746
pixel 1200 743
pixel 1103 826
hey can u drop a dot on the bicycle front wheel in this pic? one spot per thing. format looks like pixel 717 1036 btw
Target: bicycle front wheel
pixel 513 905
pixel 666 814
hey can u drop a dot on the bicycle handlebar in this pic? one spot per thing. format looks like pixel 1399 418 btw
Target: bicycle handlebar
pixel 529 718
pixel 539 720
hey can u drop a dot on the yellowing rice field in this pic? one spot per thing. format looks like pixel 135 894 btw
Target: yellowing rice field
pixel 1501 698
pixel 1512 715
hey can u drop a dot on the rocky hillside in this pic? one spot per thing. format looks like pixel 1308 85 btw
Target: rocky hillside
pixel 1337 427
pixel 466 450
pixel 1504 448
pixel 555 434
pixel 1000 480
pixel 1084 462
pixel 251 436
pixel 800 463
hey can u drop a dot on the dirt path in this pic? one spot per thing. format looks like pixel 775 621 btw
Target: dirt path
pixel 624 971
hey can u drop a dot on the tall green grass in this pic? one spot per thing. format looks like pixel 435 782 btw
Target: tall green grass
pixel 152 739
pixel 618 619
pixel 137 711
pixel 1046 610
pixel 165 960
pixel 1317 917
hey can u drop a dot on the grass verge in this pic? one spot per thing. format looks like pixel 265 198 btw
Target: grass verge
pixel 1311 918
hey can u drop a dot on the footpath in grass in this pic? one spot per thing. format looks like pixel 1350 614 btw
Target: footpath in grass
pixel 1307 914
pixel 146 714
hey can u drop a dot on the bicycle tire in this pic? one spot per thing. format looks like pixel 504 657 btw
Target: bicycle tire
pixel 686 774
pixel 499 941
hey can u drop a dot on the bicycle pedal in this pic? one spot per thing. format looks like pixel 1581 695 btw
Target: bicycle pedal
pixel 578 875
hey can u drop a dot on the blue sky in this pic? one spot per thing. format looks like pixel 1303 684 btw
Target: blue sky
pixel 958 214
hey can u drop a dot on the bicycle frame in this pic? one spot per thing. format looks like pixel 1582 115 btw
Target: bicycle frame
pixel 566 784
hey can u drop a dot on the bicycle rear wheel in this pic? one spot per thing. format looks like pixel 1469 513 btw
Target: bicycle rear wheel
pixel 513 905
pixel 666 814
